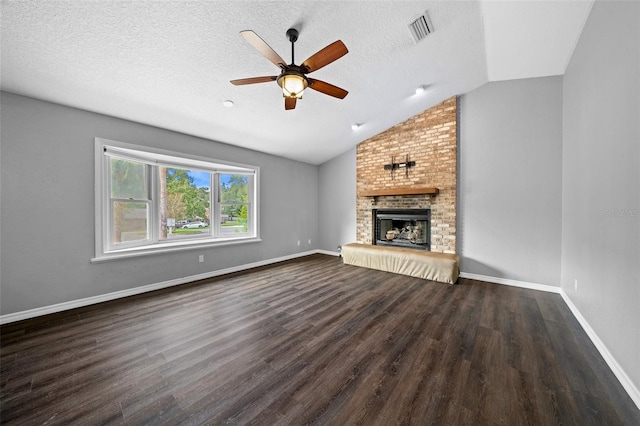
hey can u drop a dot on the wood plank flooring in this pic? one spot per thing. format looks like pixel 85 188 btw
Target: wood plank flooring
pixel 312 341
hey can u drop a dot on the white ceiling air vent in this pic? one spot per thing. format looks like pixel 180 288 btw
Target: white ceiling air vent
pixel 421 27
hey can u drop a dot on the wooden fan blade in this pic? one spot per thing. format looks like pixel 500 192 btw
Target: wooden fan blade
pixel 326 88
pixel 253 80
pixel 261 46
pixel 290 103
pixel 323 57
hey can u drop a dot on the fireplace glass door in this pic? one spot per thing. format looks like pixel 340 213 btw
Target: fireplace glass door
pixel 403 227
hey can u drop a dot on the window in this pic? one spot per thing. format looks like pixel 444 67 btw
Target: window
pixel 150 201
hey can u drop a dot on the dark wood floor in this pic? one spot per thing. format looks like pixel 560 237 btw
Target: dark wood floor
pixel 312 341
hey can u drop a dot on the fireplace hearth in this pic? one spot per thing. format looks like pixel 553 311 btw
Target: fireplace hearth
pixel 403 227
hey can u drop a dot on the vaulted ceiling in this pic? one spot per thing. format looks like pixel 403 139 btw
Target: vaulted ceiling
pixel 169 63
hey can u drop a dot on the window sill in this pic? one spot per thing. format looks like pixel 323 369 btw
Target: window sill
pixel 170 248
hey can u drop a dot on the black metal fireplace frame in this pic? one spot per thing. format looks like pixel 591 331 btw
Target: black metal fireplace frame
pixel 401 215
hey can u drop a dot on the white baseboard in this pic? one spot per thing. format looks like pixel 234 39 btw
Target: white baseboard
pixel 514 283
pixel 617 370
pixel 327 252
pixel 51 309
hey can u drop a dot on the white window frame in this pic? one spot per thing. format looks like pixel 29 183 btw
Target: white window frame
pixel 153 158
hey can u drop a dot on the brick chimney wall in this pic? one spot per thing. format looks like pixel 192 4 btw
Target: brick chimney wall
pixel 430 139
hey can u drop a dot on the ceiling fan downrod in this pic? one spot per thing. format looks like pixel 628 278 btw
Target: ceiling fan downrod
pixel 292 35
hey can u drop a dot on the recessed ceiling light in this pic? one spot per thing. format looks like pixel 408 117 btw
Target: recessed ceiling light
pixel 228 103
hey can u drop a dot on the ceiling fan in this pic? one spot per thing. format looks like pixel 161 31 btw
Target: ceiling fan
pixel 292 78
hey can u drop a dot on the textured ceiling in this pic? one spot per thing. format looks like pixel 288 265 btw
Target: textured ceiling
pixel 168 63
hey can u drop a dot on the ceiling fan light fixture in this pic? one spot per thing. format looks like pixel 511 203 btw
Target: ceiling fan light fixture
pixel 292 84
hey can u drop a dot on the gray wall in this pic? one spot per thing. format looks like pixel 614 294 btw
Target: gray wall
pixel 337 200
pixel 601 179
pixel 47 208
pixel 509 184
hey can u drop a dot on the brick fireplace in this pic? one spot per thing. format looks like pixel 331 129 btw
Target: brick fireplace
pixel 428 140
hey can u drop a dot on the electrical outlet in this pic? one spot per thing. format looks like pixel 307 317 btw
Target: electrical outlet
pixel 575 284
pixel 298 242
pixel 309 240
pixel 201 258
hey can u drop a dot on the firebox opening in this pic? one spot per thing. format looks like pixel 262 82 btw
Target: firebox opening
pixel 403 227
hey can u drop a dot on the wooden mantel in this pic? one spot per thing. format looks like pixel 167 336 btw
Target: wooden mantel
pixel 399 191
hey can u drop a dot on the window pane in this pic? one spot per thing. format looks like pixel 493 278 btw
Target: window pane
pixel 233 189
pixel 184 202
pixel 129 221
pixel 128 179
pixel 234 219
pixel 234 208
